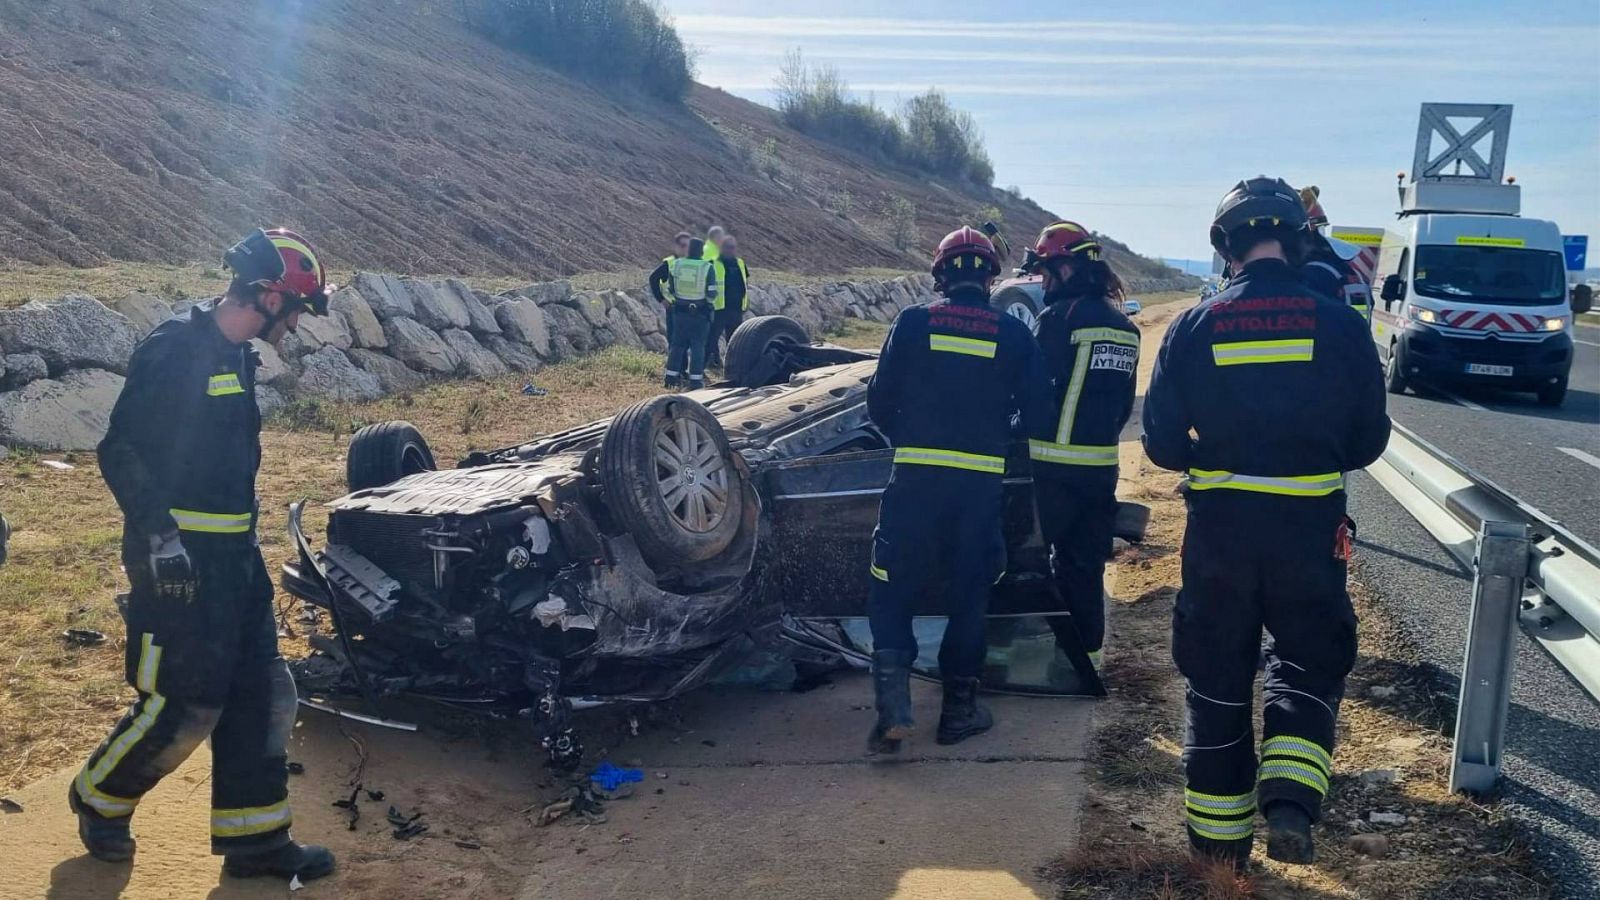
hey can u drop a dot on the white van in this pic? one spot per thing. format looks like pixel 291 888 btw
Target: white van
pixel 1469 291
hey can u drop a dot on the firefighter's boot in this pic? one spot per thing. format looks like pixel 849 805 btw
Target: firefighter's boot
pixel 962 715
pixel 891 688
pixel 1289 834
pixel 108 840
pixel 292 860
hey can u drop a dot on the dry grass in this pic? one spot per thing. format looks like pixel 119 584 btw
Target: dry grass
pixel 56 701
pixel 1144 871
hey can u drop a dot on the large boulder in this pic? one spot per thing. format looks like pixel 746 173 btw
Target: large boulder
pixel 643 319
pixel 324 331
pixel 75 332
pixel 71 413
pixel 413 344
pixel 592 306
pixel 393 376
pixel 545 292
pixel 622 329
pixel 476 360
pixel 272 369
pixel 517 357
pixel 385 294
pixel 365 329
pixel 438 305
pixel 143 311
pixel 269 400
pixel 479 319
pixel 523 321
pixel 23 368
pixel 329 374
pixel 655 342
pixel 569 324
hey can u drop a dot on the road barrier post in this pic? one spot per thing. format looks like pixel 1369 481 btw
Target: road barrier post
pixel 1500 572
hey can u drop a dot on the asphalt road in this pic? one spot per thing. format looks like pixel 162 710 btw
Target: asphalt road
pixel 1550 458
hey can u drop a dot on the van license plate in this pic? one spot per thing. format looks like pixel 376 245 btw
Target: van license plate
pixel 1484 369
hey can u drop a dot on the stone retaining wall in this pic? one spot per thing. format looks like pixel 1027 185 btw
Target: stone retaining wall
pixel 62 361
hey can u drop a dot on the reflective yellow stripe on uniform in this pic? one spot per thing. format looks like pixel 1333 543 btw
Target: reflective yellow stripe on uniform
pixel 150 706
pixel 251 820
pixel 1080 371
pixel 213 523
pixel 955 459
pixel 1220 817
pixel 1287 485
pixel 949 343
pixel 224 384
pixel 1240 353
pixel 1288 745
pixel 1294 770
pixel 1073 454
pixel 879 572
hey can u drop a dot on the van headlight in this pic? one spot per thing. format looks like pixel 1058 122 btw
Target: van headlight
pixel 1422 314
pixel 1558 323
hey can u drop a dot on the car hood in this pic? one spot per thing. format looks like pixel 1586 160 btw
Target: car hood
pixel 466 492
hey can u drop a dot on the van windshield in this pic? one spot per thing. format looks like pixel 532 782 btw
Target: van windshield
pixel 1490 274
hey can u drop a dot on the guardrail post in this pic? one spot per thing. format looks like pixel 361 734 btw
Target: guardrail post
pixel 1500 572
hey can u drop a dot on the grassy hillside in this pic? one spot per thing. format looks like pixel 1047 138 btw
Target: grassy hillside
pixel 399 139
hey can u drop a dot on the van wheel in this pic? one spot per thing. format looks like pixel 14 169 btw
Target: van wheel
pixel 1020 305
pixel 1393 379
pixel 671 481
pixel 385 453
pixel 1553 394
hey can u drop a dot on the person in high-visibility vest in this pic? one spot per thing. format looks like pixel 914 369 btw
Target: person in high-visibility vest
pixel 733 298
pixel 180 457
pixel 693 287
pixel 951 376
pixel 1263 395
pixel 713 243
pixel 660 279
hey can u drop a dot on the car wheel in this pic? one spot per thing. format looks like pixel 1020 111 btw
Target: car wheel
pixel 385 453
pixel 671 481
pixel 1131 521
pixel 1019 304
pixel 1393 379
pixel 749 361
pixel 1553 394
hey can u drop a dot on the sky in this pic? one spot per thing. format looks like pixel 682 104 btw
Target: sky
pixel 1135 117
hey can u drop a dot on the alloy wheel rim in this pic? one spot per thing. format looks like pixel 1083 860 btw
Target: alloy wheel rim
pixel 691 475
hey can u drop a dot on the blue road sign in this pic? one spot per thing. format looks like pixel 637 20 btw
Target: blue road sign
pixel 1576 247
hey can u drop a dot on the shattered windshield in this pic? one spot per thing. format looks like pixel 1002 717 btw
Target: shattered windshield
pixel 1489 274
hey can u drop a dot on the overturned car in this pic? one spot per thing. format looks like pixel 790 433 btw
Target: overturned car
pixel 634 558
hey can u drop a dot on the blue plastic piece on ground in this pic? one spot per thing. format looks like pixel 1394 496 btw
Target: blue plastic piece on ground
pixel 610 777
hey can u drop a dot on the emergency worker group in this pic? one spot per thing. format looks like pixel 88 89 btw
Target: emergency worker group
pixel 1263 396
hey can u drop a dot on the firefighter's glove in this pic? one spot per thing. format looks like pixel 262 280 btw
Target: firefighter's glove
pixel 172 568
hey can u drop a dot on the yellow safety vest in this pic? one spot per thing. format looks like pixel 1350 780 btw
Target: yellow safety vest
pixel 666 283
pixel 722 283
pixel 710 251
pixel 691 279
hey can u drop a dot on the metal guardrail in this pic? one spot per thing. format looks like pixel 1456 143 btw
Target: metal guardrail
pixel 1516 553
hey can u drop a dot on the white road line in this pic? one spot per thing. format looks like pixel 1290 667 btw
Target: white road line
pixel 1590 343
pixel 1582 456
pixel 1465 402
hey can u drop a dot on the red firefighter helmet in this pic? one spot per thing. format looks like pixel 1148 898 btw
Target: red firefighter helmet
pixel 281 261
pixel 1061 241
pixel 965 250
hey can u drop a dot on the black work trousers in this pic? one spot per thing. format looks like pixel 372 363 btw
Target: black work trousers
pixel 690 325
pixel 723 325
pixel 205 668
pixel 1252 562
pixel 1077 513
pixel 937 526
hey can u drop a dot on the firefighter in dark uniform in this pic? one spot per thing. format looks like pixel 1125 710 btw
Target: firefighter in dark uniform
pixel 180 457
pixel 951 376
pixel 1325 261
pixel 1091 351
pixel 1264 396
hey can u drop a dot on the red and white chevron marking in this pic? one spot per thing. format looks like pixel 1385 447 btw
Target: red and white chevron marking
pixel 1366 264
pixel 1489 320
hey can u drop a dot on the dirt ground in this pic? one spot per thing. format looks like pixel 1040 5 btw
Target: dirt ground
pixel 745 793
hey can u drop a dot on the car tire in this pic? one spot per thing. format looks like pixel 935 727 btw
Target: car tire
pixel 664 462
pixel 1394 380
pixel 1553 394
pixel 748 362
pixel 1019 304
pixel 385 453
pixel 1131 521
